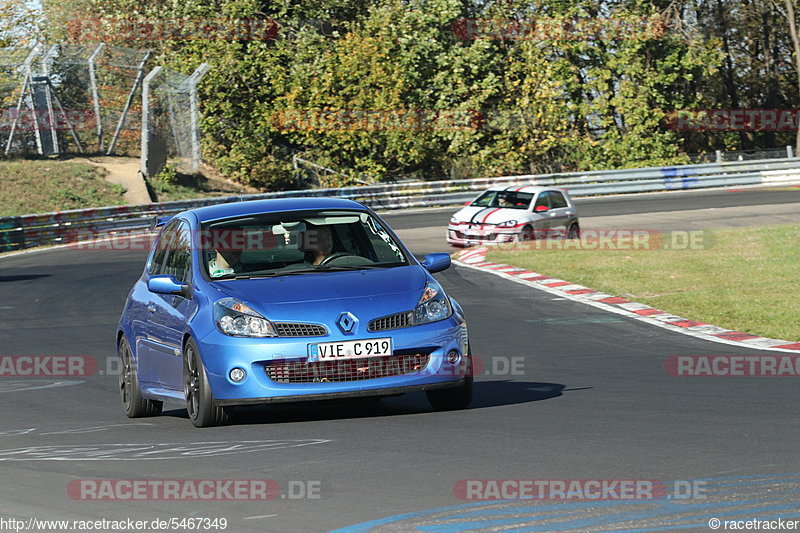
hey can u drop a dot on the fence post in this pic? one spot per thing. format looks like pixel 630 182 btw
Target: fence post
pixel 16 115
pixel 44 81
pixel 95 97
pixel 194 79
pixel 146 119
pixel 789 152
pixel 28 75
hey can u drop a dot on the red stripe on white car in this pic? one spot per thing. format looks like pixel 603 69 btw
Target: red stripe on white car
pixel 489 214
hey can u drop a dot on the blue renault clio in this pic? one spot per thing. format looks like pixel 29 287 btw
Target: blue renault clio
pixel 287 300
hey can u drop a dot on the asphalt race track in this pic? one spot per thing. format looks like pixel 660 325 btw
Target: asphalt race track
pixel 567 392
pixel 637 204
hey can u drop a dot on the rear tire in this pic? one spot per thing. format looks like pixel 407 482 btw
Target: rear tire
pixel 199 401
pixel 136 405
pixel 453 398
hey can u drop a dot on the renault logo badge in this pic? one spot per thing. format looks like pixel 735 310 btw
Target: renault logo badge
pixel 346 322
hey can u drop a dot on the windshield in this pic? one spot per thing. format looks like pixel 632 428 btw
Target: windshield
pixel 295 243
pixel 504 199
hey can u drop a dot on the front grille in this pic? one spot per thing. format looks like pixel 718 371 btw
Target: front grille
pixel 298 329
pixel 396 321
pixel 484 237
pixel 348 370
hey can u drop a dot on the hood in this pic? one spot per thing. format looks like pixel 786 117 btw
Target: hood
pixel 488 215
pixel 321 297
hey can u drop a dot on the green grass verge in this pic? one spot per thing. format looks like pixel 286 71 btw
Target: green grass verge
pixel 41 186
pixel 746 279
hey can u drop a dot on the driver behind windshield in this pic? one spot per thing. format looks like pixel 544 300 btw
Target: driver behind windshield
pixel 316 242
pixel 225 262
pixel 504 201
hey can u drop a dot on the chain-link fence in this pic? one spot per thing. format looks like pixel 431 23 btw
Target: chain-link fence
pixel 16 69
pixel 72 98
pixel 117 73
pixel 167 132
pixel 68 98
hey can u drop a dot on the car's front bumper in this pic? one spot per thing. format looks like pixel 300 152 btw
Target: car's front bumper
pixel 462 237
pixel 221 353
pixel 334 395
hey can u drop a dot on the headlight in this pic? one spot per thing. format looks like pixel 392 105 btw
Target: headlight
pixel 434 305
pixel 237 319
pixel 507 224
pixel 454 220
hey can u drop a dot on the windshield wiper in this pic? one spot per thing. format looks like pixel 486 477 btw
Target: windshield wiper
pixel 267 275
pixel 330 269
pixel 251 276
pixel 297 271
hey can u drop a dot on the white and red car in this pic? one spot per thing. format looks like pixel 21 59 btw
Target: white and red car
pixel 513 214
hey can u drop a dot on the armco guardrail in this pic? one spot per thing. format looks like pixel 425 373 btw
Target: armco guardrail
pixel 71 226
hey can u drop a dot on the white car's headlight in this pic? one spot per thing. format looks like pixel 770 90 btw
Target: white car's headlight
pixel 239 320
pixel 507 224
pixel 454 220
pixel 434 305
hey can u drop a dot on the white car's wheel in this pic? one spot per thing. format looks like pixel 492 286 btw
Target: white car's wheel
pixel 526 234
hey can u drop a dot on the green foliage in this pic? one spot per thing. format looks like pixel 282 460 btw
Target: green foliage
pixel 514 105
pixel 168 174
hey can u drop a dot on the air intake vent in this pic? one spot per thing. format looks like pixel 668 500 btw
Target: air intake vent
pixel 396 321
pixel 296 329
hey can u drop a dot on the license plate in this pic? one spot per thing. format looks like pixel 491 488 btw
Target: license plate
pixel 337 351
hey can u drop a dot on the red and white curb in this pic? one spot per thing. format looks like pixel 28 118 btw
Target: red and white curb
pixel 475 258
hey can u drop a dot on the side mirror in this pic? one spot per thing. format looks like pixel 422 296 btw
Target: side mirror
pixel 436 262
pixel 167 285
pixel 541 208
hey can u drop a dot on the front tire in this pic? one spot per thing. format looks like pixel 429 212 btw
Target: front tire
pixel 136 405
pixel 526 234
pixel 454 398
pixel 574 232
pixel 199 401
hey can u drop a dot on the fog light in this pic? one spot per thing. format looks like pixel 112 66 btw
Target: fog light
pixel 453 357
pixel 237 375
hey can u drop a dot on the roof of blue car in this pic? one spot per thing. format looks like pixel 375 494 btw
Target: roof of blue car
pixel 234 209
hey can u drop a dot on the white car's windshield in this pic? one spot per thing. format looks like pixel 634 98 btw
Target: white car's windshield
pixel 298 242
pixel 505 199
